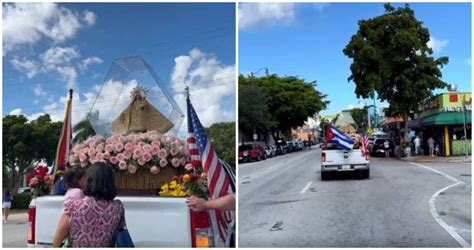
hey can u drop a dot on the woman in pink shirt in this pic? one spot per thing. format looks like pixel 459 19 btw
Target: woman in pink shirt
pixel 92 220
pixel 75 179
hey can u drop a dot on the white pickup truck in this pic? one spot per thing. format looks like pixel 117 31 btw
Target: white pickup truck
pixel 335 159
pixel 151 222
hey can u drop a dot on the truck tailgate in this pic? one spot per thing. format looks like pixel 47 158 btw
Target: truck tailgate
pixel 341 157
pixel 151 221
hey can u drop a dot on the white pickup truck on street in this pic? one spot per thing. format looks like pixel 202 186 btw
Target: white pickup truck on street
pixel 151 222
pixel 335 159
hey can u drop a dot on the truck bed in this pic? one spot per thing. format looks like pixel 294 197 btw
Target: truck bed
pixel 151 221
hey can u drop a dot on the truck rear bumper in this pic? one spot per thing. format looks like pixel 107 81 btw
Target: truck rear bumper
pixel 344 168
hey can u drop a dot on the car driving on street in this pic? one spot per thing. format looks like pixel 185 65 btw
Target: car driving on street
pixel 334 159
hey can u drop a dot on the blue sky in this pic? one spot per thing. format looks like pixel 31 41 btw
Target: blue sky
pixel 73 45
pixel 307 40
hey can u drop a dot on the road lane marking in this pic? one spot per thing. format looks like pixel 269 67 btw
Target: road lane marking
pixel 436 171
pixel 306 187
pixel 449 229
pixel 443 224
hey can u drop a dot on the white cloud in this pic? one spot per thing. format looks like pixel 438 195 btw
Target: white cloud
pixel 30 67
pixel 255 15
pixel 89 17
pixel 89 61
pixel 351 106
pixel 320 6
pixel 67 74
pixel 211 83
pixel 39 91
pixel 16 111
pixel 51 106
pixel 55 56
pixel 28 23
pixel 437 44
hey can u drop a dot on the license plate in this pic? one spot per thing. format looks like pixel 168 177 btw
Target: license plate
pixel 345 167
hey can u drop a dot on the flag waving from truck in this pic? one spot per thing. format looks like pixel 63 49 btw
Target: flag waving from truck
pixel 219 181
pixel 334 135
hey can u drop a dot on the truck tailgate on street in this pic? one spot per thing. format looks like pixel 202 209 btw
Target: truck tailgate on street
pixel 341 157
pixel 151 221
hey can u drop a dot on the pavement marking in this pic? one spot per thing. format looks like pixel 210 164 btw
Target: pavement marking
pixel 451 230
pixel 436 171
pixel 443 224
pixel 306 187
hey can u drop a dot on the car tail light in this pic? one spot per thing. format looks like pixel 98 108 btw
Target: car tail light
pixel 323 157
pixel 201 231
pixel 31 223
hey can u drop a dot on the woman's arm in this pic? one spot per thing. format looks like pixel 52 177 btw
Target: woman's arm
pixel 62 231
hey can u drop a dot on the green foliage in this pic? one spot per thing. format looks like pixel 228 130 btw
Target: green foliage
pixel 83 131
pixel 223 139
pixel 391 57
pixel 290 101
pixel 253 110
pixel 21 201
pixel 26 142
pixel 360 117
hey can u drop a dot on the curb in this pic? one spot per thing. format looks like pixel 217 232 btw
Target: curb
pixel 434 161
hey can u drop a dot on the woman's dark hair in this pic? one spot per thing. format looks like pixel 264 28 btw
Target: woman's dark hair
pixel 72 176
pixel 100 182
pixel 7 192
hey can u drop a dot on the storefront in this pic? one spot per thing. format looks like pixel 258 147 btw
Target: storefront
pixel 446 118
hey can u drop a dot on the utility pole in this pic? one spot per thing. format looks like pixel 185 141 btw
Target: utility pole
pixel 465 131
pixel 252 75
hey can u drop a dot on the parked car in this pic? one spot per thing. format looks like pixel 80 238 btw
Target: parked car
pixel 281 147
pixel 299 145
pixel 24 190
pixel 291 146
pixel 270 151
pixel 251 152
pixel 378 147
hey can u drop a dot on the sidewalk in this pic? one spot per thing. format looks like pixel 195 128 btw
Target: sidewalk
pixel 438 159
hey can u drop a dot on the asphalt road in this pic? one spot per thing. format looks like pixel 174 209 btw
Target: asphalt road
pixel 14 233
pixel 284 203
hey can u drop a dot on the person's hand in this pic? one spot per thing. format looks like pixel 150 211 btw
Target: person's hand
pixel 197 204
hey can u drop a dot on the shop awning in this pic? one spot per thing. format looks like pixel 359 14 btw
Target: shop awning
pixel 392 120
pixel 415 123
pixel 447 118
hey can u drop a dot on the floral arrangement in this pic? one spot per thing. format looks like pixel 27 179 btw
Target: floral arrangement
pixel 131 152
pixel 40 180
pixel 191 183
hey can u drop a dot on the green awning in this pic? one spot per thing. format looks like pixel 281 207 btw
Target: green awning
pixel 447 118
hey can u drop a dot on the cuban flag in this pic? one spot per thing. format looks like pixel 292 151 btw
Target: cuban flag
pixel 335 136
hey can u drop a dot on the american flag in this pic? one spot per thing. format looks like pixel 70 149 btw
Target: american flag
pixel 219 182
pixel 364 147
pixel 64 144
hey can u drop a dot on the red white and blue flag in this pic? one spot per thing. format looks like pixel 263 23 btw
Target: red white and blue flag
pixel 335 136
pixel 219 178
pixel 64 145
pixel 364 147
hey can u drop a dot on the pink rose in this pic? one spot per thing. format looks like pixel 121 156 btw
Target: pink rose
pixel 127 154
pixel 100 148
pixel 138 152
pixel 128 146
pixel 92 152
pixel 132 169
pixel 155 143
pixel 155 150
pixel 175 162
pixel 119 147
pixel 154 170
pixel 181 149
pixel 113 160
pixel 189 166
pixel 109 148
pixel 82 157
pixel 163 139
pixel 163 163
pixel 109 140
pixel 141 144
pixel 122 165
pixel 163 153
pixel 175 145
pixel 100 157
pixel 183 161
pixel 174 151
pixel 122 139
pixel 141 162
pixel 107 155
pixel 147 148
pixel 120 157
pixel 147 157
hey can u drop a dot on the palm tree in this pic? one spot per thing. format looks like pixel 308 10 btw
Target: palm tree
pixel 83 130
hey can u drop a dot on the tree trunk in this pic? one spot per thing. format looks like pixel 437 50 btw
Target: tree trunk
pixel 405 130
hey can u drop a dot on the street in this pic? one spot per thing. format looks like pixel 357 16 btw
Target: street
pixel 15 232
pixel 284 203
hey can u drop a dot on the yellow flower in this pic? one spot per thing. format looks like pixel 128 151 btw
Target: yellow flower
pixel 204 175
pixel 186 178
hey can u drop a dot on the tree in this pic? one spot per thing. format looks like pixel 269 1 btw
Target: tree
pixel 223 139
pixel 83 130
pixel 25 143
pixel 391 57
pixel 253 109
pixel 291 100
pixel 360 117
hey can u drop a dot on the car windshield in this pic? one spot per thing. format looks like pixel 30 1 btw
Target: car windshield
pixel 245 147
